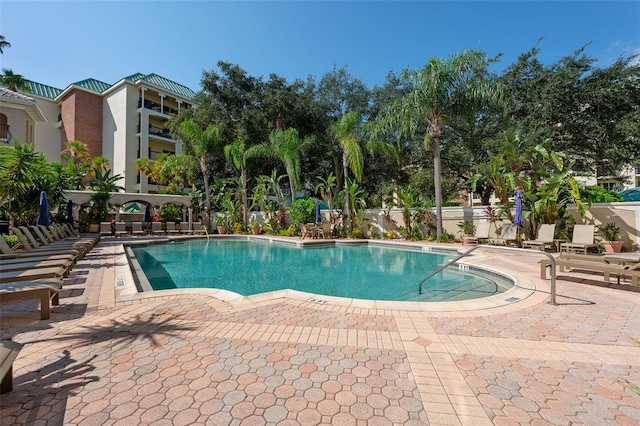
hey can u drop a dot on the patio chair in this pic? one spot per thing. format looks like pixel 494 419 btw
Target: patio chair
pixel 121 229
pixel 545 237
pixel 105 229
pixel 8 353
pixel 156 228
pixel 9 254
pixel 583 239
pixel 46 250
pixel 482 233
pixel 7 265
pixel 51 235
pixel 46 289
pixel 508 235
pixel 36 230
pixel 171 228
pixel 136 228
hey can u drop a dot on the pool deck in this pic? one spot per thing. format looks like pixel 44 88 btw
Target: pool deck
pixel 111 356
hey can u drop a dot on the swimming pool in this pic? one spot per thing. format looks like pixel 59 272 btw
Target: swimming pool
pixel 362 271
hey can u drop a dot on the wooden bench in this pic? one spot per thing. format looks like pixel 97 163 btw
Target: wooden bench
pixel 8 353
pixel 46 289
pixel 590 263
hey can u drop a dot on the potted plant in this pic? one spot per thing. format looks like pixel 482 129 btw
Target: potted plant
pixel 611 235
pixel 221 223
pixel 468 230
pixel 255 227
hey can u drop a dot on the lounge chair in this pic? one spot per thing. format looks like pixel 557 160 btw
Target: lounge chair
pixel 121 229
pixel 184 228
pixel 46 250
pixel 545 238
pixel 508 235
pixel 171 228
pixel 592 263
pixel 46 289
pixel 583 239
pixel 9 254
pixel 156 228
pixel 32 274
pixel 482 233
pixel 136 228
pixel 78 245
pixel 8 353
pixel 54 235
pixel 105 229
pixel 7 265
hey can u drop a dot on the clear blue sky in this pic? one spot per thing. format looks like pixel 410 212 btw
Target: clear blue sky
pixel 60 42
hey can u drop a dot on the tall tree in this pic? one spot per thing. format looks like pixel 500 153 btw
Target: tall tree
pixel 236 152
pixel 203 143
pixel 287 147
pixel 441 92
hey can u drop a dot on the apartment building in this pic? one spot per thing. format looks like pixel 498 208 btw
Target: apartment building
pixel 123 121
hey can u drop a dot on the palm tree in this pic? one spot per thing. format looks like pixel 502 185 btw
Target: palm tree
pixel 236 152
pixel 326 187
pixel 347 134
pixel 3 44
pixel 439 93
pixel 14 82
pixel 20 166
pixel 287 147
pixel 204 143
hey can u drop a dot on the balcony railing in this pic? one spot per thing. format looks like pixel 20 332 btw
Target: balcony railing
pixel 156 107
pixel 5 134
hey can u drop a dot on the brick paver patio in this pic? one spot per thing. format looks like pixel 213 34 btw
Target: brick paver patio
pixel 192 358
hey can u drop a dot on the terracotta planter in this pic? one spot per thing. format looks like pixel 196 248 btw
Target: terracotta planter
pixel 222 229
pixel 468 240
pixel 255 231
pixel 612 246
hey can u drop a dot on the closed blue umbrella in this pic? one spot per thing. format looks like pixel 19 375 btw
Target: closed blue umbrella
pixel 318 216
pixel 43 219
pixel 147 214
pixel 70 212
pixel 518 220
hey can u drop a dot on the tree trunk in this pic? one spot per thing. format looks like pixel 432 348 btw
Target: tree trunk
pixel 207 196
pixel 245 203
pixel 292 187
pixel 345 220
pixel 437 183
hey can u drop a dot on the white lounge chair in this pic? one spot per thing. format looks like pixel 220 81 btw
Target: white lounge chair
pixel 545 237
pixel 156 228
pixel 482 233
pixel 508 235
pixel 583 239
pixel 136 228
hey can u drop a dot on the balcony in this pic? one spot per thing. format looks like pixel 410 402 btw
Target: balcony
pixel 153 106
pixel 158 132
pixel 5 134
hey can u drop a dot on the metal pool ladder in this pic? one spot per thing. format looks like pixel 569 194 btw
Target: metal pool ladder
pixel 552 299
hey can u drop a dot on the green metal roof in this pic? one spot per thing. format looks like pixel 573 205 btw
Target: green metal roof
pixel 93 85
pixel 100 87
pixel 164 83
pixel 43 90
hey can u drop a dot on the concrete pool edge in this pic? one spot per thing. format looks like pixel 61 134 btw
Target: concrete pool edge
pixel 523 288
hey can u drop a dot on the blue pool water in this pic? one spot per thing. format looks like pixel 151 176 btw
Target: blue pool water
pixel 360 271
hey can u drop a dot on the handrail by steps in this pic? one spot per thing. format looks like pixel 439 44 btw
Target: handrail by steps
pixel 552 260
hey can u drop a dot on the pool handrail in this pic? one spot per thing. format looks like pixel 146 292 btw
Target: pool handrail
pixel 552 261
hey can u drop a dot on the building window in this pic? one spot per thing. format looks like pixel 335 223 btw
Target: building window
pixel 611 186
pixel 4 129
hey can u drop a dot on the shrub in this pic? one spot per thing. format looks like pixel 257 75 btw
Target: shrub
pixel 11 240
